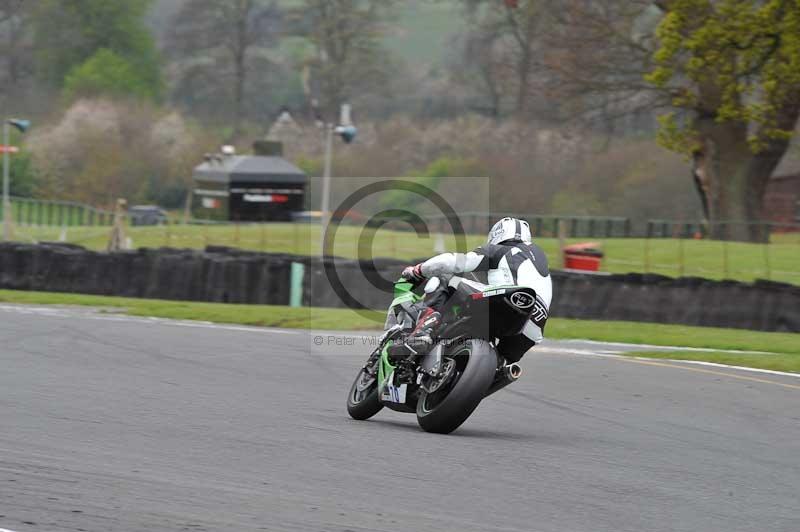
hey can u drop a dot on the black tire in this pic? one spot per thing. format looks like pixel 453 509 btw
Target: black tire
pixel 363 403
pixel 464 396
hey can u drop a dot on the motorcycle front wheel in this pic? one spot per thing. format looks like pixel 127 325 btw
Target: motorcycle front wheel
pixel 363 401
pixel 446 408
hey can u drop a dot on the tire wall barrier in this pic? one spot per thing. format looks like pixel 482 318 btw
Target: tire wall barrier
pixel 226 275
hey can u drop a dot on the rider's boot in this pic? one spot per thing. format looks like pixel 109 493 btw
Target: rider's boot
pixel 421 338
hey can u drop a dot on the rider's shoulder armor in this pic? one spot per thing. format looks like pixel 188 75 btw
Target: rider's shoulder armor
pixel 515 254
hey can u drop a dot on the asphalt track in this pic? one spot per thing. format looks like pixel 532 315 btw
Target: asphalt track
pixel 110 423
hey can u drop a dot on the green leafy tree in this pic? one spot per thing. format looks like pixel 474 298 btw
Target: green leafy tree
pixel 725 74
pixel 107 73
pixel 431 177
pixel 22 175
pixel 68 33
pixel 732 69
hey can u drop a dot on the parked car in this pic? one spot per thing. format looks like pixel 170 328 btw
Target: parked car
pixel 147 215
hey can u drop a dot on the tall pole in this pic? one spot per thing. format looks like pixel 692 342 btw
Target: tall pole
pixel 326 185
pixel 6 170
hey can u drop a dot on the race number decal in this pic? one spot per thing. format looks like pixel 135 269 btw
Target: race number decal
pixel 539 315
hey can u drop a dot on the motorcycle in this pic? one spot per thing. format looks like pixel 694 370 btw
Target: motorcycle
pixel 447 384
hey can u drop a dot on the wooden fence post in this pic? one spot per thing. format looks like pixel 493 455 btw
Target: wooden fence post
pixel 117 240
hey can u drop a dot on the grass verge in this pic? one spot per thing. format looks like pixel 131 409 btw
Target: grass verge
pixel 674 335
pixel 775 362
pixel 343 319
pixel 256 315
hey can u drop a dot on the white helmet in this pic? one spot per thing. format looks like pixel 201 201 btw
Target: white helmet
pixel 510 229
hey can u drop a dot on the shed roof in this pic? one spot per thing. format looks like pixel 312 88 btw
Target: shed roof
pixel 251 169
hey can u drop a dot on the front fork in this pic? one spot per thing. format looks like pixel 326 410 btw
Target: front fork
pixel 382 344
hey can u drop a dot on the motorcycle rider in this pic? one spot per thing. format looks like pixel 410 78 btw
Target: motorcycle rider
pixel 509 257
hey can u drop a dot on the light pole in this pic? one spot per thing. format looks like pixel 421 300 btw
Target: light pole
pixel 22 126
pixel 347 131
pixel 326 185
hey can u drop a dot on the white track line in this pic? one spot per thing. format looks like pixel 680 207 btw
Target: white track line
pixel 726 366
pixel 193 324
pixel 584 352
pixel 668 347
pixel 376 334
pixel 65 313
pixel 549 348
pixel 55 312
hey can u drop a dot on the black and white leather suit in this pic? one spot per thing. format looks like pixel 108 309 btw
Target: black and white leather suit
pixel 508 263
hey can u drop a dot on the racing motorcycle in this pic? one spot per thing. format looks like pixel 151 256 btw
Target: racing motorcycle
pixel 444 386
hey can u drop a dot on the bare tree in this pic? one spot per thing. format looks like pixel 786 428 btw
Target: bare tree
pixel 476 65
pixel 348 55
pixel 597 54
pixel 218 40
pixel 15 46
pixel 507 45
pixel 481 51
pixel 9 9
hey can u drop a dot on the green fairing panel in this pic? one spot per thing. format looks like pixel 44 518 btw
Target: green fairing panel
pixel 385 367
pixel 402 287
pixel 403 294
pixel 405 298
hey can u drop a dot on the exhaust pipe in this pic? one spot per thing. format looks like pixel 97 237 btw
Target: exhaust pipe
pixel 506 375
pixel 512 371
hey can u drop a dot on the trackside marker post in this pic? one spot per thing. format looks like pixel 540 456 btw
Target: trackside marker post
pixel 296 286
pixel 6 203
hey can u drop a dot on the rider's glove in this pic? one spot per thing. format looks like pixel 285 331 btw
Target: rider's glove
pixel 413 273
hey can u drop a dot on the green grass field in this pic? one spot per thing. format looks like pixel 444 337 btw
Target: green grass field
pixel 779 261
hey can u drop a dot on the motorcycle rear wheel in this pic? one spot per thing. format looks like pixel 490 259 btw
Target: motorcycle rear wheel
pixel 444 410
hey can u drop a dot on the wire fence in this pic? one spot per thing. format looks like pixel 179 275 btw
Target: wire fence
pixel 28 211
pixel 744 251
pixel 667 247
pixel 542 225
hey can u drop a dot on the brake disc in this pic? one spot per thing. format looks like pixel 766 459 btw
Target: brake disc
pixel 432 383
